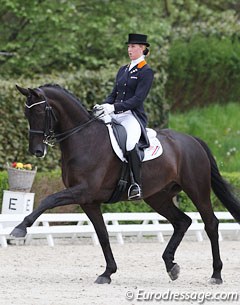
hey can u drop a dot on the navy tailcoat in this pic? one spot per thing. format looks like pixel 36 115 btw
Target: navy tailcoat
pixel 131 89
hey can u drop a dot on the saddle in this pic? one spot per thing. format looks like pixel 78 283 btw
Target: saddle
pixel 149 148
pixel 121 137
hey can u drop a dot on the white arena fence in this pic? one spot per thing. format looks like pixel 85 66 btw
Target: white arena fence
pixel 119 225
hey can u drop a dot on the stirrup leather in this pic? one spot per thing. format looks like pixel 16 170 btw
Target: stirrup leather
pixel 137 192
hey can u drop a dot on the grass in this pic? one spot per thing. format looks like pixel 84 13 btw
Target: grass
pixel 219 126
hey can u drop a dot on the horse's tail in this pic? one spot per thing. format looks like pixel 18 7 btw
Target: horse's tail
pixel 221 188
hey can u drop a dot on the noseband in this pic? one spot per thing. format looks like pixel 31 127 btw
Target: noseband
pixel 49 136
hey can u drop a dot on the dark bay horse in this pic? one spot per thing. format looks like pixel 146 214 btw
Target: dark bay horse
pixel 90 172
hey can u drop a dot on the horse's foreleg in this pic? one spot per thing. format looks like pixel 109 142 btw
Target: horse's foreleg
pixel 65 197
pixel 58 199
pixel 95 215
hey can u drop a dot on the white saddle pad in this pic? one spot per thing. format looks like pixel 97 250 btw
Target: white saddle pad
pixel 153 151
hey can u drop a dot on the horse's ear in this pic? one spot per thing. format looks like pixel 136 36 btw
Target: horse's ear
pixel 22 90
pixel 33 92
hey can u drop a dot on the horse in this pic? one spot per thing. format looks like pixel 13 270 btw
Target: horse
pixel 90 173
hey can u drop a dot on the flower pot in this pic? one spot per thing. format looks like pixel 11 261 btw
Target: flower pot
pixel 20 179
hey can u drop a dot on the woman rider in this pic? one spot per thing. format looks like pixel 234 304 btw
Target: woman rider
pixel 125 103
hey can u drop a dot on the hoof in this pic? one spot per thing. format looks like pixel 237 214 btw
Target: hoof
pixel 103 280
pixel 174 272
pixel 214 281
pixel 18 233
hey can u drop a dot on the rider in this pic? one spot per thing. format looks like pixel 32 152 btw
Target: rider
pixel 125 103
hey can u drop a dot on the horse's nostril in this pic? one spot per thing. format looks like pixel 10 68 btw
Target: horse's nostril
pixel 39 153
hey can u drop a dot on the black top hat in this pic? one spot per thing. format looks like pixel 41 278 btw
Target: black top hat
pixel 137 39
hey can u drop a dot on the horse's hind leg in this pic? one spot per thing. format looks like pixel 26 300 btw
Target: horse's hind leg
pixel 201 198
pixel 179 220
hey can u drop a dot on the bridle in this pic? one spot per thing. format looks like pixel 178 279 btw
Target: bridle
pixel 50 119
pixel 49 136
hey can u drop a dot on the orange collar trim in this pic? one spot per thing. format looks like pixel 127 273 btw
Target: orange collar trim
pixel 141 64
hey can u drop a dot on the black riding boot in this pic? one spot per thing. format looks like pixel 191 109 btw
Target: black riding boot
pixel 134 191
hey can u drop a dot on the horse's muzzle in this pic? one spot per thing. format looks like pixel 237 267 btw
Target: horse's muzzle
pixel 39 151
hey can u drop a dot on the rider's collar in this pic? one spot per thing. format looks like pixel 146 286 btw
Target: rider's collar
pixel 136 61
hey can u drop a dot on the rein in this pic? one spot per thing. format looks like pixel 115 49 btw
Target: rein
pixel 50 138
pixel 59 137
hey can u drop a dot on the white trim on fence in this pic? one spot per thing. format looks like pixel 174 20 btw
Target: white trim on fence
pixel 118 225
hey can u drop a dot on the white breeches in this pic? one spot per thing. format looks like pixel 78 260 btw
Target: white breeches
pixel 132 127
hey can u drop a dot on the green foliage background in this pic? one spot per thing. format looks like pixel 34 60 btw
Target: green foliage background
pixel 203 71
pixel 219 126
pixel 195 54
pixel 57 35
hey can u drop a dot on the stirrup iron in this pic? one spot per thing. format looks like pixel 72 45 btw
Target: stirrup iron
pixel 138 194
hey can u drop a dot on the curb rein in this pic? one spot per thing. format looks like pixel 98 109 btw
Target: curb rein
pixel 50 138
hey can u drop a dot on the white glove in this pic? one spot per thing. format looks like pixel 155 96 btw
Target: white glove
pixel 108 108
pixel 97 107
pixel 105 109
pixel 98 111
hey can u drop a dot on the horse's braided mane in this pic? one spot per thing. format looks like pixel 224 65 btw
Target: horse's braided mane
pixel 65 90
pixel 72 95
